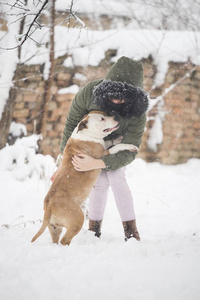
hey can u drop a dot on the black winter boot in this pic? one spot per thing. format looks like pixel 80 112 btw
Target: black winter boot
pixel 96 227
pixel 130 230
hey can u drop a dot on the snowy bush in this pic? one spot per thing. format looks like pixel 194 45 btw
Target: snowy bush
pixel 17 129
pixel 22 160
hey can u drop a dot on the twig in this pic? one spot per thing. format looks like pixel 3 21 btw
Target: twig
pixel 73 14
pixel 19 7
pixel 171 87
pixel 28 34
pixel 22 223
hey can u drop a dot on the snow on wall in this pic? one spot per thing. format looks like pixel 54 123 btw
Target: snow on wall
pixel 17 129
pixel 156 131
pixel 88 47
pixel 73 89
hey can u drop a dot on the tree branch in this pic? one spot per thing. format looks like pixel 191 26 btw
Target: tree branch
pixel 28 33
pixel 171 87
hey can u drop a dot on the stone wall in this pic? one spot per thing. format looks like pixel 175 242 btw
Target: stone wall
pixel 181 107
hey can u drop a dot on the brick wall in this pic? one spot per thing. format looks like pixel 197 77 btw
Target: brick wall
pixel 181 125
pixel 181 107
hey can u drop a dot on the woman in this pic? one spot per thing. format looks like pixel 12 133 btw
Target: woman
pixel 119 94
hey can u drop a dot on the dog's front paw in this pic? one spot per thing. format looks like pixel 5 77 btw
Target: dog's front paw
pixel 122 147
pixel 132 148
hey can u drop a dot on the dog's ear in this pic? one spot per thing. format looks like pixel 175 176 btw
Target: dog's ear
pixel 82 125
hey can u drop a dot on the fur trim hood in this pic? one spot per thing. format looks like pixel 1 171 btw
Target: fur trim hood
pixel 136 100
pixel 124 81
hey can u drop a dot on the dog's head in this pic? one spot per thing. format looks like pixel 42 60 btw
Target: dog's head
pixel 98 124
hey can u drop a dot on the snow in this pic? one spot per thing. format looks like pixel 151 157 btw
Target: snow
pixel 68 62
pixel 98 7
pixel 72 89
pixel 17 129
pixel 155 134
pixel 22 160
pixel 154 14
pixel 164 265
pixel 88 47
pixel 79 76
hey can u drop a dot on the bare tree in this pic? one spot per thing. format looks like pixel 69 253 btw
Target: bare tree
pixel 49 82
pixel 21 10
pixel 24 13
pixel 29 24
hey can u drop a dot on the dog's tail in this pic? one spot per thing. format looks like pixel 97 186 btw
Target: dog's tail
pixel 47 216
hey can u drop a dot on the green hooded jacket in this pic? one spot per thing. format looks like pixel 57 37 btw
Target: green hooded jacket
pixel 132 129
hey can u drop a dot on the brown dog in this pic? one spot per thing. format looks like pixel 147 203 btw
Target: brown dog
pixel 70 188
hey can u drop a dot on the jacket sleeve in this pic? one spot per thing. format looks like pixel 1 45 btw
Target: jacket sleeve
pixel 75 114
pixel 133 136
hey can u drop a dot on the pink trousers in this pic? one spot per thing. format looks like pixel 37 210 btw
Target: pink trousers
pixel 123 198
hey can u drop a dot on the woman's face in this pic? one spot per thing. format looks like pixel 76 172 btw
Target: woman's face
pixel 117 101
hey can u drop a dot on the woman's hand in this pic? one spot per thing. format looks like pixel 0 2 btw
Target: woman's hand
pixel 83 162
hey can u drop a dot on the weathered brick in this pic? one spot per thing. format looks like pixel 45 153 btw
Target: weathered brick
pixel 21 113
pixel 52 133
pixel 59 127
pixel 64 77
pixel 65 106
pixel 30 97
pixel 61 97
pixel 48 126
pixel 19 98
pixel 30 127
pixel 52 105
pixel 54 90
pixel 196 125
pixel 65 97
pixel 19 105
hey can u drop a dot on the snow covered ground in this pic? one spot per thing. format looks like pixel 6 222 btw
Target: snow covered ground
pixel 164 265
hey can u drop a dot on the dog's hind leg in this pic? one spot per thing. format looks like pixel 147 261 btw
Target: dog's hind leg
pixel 55 233
pixel 73 225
